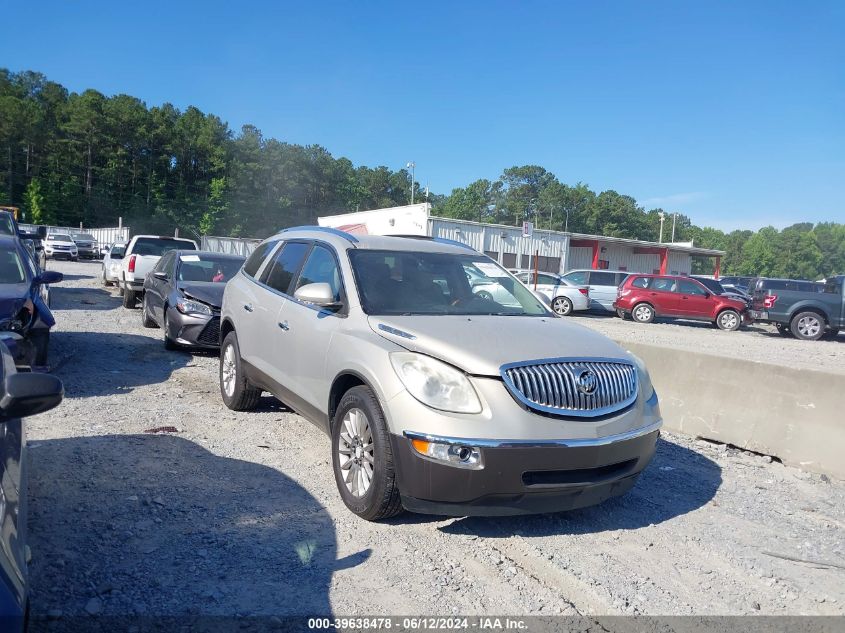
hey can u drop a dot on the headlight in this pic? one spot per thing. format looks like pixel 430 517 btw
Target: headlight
pixel 186 306
pixel 645 379
pixel 434 383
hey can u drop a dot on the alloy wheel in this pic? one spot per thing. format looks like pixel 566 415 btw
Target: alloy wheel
pixel 728 320
pixel 642 313
pixel 356 452
pixel 809 326
pixel 230 370
pixel 562 306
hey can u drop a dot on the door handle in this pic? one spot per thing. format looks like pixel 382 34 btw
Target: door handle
pixel 248 307
pixel 284 325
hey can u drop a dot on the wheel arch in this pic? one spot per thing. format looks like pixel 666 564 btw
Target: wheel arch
pixel 809 307
pixel 226 326
pixel 342 383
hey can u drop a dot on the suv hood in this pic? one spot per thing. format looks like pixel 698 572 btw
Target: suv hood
pixel 480 345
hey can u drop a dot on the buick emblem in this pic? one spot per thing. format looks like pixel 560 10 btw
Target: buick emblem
pixel 587 382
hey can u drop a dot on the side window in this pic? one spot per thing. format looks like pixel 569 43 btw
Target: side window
pixel 662 284
pixel 287 261
pixel 641 282
pixel 547 279
pixel 321 267
pixel 689 288
pixel 169 264
pixel 602 279
pixel 253 263
pixel 161 264
pixel 579 278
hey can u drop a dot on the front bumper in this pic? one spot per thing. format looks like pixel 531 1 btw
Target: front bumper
pixel 56 254
pixel 524 477
pixel 194 330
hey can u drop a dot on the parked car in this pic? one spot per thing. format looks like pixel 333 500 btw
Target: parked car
pixel 738 282
pixel 562 297
pixel 60 246
pixel 646 297
pixel 601 284
pixel 717 288
pixel 140 257
pixel 111 263
pixel 23 309
pixel 21 395
pixel 183 295
pixel 435 399
pixel 804 309
pixel 86 244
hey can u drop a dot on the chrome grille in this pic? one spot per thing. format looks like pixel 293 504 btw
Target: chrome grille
pixel 562 386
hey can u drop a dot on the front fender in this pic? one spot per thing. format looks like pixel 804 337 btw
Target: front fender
pixel 42 311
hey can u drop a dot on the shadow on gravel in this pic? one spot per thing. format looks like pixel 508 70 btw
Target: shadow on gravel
pixel 151 525
pixel 677 481
pixel 82 299
pixel 105 363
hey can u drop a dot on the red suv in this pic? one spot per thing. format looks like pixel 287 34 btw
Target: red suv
pixel 645 297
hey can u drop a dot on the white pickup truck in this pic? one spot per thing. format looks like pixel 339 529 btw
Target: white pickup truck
pixel 141 256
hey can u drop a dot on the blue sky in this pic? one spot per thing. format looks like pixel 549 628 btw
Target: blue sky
pixel 733 112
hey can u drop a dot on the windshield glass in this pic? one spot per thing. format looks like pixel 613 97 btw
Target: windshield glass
pixel 711 284
pixel 117 250
pixel 11 268
pixel 410 283
pixel 59 237
pixel 208 268
pixel 7 224
pixel 84 237
pixel 157 246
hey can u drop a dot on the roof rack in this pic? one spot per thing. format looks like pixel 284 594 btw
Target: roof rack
pixel 439 240
pixel 324 229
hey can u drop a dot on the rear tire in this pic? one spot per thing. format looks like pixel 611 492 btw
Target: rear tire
pixel 562 306
pixel 130 298
pixel 146 319
pixel 643 313
pixel 238 394
pixel 728 320
pixel 359 427
pixel 808 326
pixel 621 313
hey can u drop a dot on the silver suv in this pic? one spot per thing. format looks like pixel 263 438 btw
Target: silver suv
pixel 436 399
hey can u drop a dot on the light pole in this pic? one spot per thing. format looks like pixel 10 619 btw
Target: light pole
pixel 674 217
pixel 411 166
pixel 566 226
pixel 662 217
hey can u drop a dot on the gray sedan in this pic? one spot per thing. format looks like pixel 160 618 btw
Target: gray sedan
pixel 183 294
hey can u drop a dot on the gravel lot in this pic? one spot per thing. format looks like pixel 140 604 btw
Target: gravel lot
pixel 237 513
pixel 756 342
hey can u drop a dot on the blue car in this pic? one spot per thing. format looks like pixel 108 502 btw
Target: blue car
pixel 21 395
pixel 23 309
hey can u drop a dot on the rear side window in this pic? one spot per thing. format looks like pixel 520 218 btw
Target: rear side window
pixel 321 267
pixel 579 278
pixel 602 279
pixel 280 272
pixel 641 282
pixel 257 258
pixel 833 287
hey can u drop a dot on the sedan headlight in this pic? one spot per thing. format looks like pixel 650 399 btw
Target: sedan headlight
pixel 435 384
pixel 645 378
pixel 186 306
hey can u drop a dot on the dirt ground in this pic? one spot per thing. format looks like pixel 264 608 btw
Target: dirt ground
pixel 237 513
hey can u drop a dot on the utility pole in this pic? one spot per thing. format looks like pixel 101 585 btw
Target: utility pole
pixel 411 165
pixel 674 217
pixel 662 217
pixel 566 226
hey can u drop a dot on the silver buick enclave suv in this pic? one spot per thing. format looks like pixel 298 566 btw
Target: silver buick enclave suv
pixel 436 399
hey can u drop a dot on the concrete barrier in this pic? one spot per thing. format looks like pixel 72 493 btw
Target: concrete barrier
pixel 795 415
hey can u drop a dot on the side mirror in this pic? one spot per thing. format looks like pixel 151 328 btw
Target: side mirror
pixel 27 394
pixel 319 294
pixel 160 274
pixel 48 277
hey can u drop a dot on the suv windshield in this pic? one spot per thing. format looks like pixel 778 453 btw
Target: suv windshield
pixel 59 237
pixel 117 251
pixel 711 284
pixel 158 246
pixel 412 283
pixel 83 237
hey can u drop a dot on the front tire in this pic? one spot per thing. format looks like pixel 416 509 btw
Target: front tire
pixel 562 306
pixel 41 342
pixel 728 320
pixel 362 458
pixel 169 343
pixel 643 313
pixel 238 394
pixel 808 326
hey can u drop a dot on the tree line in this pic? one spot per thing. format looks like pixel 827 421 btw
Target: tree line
pixel 69 158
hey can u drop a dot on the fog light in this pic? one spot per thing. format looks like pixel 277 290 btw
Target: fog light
pixel 460 455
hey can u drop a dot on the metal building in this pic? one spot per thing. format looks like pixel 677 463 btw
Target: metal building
pixel 550 251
